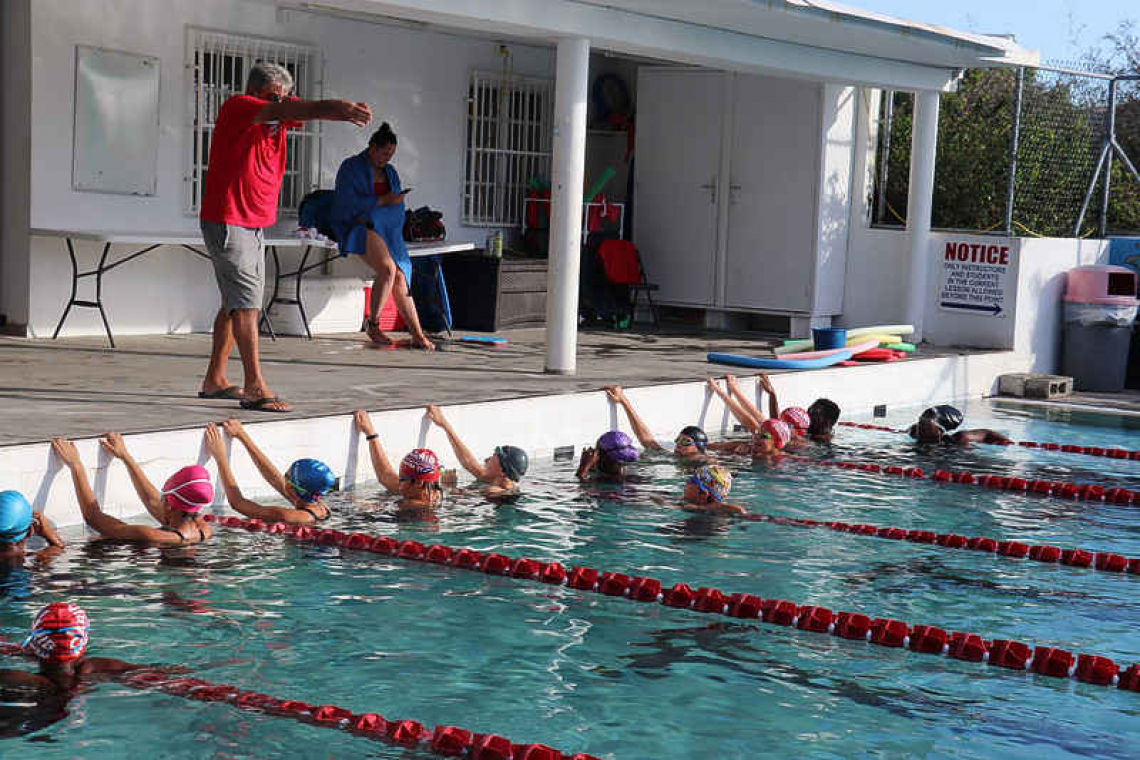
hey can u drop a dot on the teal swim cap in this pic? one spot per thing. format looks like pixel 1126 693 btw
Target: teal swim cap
pixel 15 517
pixel 311 479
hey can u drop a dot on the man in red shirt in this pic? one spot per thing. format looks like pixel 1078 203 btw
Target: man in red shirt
pixel 243 181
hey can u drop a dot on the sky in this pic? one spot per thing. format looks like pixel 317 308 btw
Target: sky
pixel 1060 29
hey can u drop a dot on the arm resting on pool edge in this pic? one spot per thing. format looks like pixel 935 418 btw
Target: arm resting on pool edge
pixel 616 394
pixel 217 449
pixel 271 474
pixel 462 453
pixel 739 411
pixel 93 515
pixel 385 473
pixel 150 496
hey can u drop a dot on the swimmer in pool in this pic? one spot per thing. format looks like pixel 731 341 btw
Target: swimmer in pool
pixel 418 480
pixel 606 459
pixel 176 507
pixel 707 489
pixel 501 471
pixel 766 443
pixel 18 522
pixel 935 424
pixel 303 485
pixel 689 445
pixel 58 642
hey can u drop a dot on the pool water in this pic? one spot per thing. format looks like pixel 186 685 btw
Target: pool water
pixel 617 679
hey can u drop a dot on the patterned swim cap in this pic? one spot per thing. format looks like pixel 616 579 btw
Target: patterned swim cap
pixel 59 633
pixel 190 489
pixel 778 430
pixel 618 446
pixel 420 465
pixel 15 517
pixel 796 417
pixel 714 480
pixel 311 479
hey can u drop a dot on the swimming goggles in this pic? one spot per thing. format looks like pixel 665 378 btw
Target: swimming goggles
pixel 683 440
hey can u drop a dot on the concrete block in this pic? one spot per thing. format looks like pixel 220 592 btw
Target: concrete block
pixel 1030 385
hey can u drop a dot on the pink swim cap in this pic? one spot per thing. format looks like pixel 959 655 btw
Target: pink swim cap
pixel 190 489
pixel 778 430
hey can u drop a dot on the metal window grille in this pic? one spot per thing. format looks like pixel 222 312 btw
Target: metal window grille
pixel 509 142
pixel 217 65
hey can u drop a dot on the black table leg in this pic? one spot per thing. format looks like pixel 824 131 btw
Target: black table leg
pixel 274 298
pixel 74 289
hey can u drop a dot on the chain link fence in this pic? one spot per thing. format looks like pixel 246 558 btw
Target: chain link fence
pixel 1018 153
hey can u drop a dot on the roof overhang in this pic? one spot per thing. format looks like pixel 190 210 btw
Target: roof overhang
pixel 811 39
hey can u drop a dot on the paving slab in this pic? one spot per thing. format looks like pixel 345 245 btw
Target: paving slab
pixel 79 387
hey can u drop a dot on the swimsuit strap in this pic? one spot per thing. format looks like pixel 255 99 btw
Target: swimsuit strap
pixel 175 531
pixel 307 508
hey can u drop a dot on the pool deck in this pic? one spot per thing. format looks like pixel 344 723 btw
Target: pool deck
pixel 79 387
pixel 1126 402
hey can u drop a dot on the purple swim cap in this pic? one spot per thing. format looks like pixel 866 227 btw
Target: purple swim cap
pixel 618 446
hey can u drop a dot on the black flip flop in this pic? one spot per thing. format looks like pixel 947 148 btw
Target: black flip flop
pixel 262 405
pixel 232 393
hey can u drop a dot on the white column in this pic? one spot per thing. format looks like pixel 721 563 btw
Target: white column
pixel 571 92
pixel 924 142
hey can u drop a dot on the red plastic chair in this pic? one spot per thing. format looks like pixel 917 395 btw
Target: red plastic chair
pixel 622 264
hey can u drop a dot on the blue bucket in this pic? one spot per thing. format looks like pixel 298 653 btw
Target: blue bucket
pixel 825 338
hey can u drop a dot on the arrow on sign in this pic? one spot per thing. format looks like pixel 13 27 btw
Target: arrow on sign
pixel 995 309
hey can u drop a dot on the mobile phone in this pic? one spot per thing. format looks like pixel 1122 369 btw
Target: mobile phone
pixel 406 190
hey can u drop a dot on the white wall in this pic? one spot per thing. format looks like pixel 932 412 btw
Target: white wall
pixel 581 417
pixel 15 126
pixel 837 149
pixel 415 80
pixel 1043 263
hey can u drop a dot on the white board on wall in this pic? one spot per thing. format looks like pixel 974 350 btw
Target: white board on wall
pixel 115 143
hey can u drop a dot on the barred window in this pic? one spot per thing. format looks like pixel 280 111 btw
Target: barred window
pixel 217 65
pixel 509 143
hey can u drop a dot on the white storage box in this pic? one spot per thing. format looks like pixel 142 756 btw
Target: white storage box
pixel 334 305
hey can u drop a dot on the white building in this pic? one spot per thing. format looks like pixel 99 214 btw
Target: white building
pixel 754 148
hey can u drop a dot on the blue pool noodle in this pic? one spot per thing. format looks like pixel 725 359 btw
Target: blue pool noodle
pixel 749 361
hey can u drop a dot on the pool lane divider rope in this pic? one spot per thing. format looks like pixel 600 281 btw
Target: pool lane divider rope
pixel 886 632
pixel 1067 448
pixel 1037 487
pixel 1104 561
pixel 448 741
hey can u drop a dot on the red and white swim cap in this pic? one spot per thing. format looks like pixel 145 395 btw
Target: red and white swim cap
pixel 779 431
pixel 59 633
pixel 420 465
pixel 796 417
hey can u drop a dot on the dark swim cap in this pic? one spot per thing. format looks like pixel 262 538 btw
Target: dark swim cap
pixel 513 460
pixel 618 446
pixel 948 417
pixel 698 436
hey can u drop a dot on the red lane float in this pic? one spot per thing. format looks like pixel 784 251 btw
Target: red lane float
pixel 961 645
pixel 1066 448
pixel 448 741
pixel 1094 560
pixel 1071 491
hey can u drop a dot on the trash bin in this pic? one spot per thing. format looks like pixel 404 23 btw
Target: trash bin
pixel 1100 308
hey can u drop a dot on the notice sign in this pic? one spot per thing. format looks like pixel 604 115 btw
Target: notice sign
pixel 975 277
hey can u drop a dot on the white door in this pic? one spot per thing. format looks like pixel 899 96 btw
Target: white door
pixel 679 118
pixel 770 250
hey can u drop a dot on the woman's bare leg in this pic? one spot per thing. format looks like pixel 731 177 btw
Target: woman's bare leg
pixel 377 256
pixel 407 308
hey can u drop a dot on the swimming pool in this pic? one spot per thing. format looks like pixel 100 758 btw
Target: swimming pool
pixel 585 672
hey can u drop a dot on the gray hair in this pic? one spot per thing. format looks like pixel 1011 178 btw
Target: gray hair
pixel 265 73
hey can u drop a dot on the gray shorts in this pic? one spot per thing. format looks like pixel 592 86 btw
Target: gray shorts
pixel 238 254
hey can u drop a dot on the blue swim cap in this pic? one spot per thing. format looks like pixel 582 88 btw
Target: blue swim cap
pixel 311 479
pixel 15 517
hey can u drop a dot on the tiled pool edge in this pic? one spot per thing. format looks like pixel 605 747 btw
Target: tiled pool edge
pixel 539 424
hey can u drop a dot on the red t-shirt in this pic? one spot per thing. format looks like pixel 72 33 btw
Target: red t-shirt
pixel 247 162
